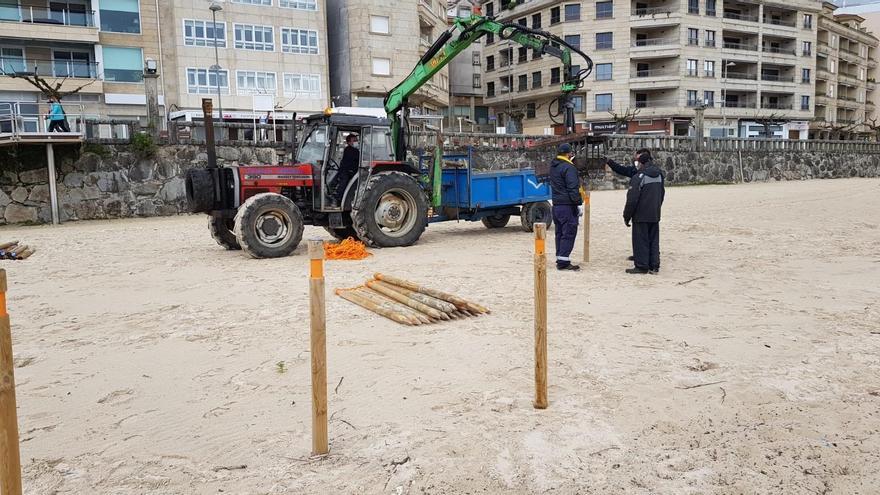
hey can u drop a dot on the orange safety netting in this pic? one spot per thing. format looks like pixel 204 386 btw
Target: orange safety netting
pixel 349 249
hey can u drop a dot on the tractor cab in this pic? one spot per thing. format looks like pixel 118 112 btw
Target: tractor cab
pixel 342 146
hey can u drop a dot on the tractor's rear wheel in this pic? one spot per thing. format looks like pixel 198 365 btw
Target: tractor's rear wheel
pixel 393 211
pixel 496 221
pixel 268 225
pixel 223 231
pixel 533 213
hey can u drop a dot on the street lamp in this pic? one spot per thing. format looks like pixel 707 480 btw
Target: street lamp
pixel 726 68
pixel 216 7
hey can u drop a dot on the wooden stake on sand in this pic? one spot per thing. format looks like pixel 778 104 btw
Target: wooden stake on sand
pixel 318 313
pixel 459 302
pixel 540 317
pixel 365 303
pixel 435 303
pixel 7 245
pixel 383 302
pixel 10 456
pixel 404 299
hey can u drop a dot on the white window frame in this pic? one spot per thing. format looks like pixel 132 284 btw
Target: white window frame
pixel 209 42
pixel 209 89
pixel 707 65
pixel 696 65
pixel 387 21
pixel 316 94
pixel 52 61
pixel 252 28
pixel 259 3
pixel 292 32
pixel 309 5
pixel 373 66
pixel 245 91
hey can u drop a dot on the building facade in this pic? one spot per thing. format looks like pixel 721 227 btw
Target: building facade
pixel 846 87
pixel 98 47
pixel 466 109
pixel 374 47
pixel 751 65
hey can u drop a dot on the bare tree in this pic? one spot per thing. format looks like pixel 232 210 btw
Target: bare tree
pixel 835 130
pixel 49 89
pixel 768 121
pixel 874 125
pixel 622 119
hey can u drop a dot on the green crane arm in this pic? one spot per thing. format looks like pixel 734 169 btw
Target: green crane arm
pixel 463 33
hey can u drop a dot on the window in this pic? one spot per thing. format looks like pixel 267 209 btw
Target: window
pixel 710 8
pixel 506 57
pixel 380 24
pixel 604 10
pixel 530 110
pixel 832 66
pixel 693 6
pixel 123 64
pixel 204 81
pixel 709 68
pixel 554 16
pixel 805 102
pixel 294 4
pixel 604 41
pixel 536 54
pixel 808 21
pixel 490 10
pixel 523 83
pixel 536 21
pixel 490 38
pixel 807 48
pixel 12 60
pixel 203 33
pixel 572 12
pixel 490 89
pixel 522 21
pixel 537 82
pixel 381 66
pixel 692 98
pixel 863 51
pixel 573 40
pixel 308 85
pixel 861 73
pixel 522 54
pixel 490 62
pixel 710 38
pixel 506 84
pixel 478 83
pixel 255 82
pixel 578 102
pixel 709 98
pixel 464 12
pixel 554 75
pixel 603 72
pixel 254 2
pixel 299 41
pixel 603 102
pixel 692 67
pixel 66 63
pixel 833 41
pixel 258 38
pixel 693 36
pixel 120 16
pixel 805 75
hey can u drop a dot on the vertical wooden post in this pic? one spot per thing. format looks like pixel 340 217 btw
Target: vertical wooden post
pixel 318 348
pixel 10 459
pixel 540 317
pixel 586 225
pixel 53 187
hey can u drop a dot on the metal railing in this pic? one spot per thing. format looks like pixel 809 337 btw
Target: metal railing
pixel 10 12
pixel 740 17
pixel 779 22
pixel 653 11
pixel 652 73
pixel 776 106
pixel 23 125
pixel 49 68
pixel 740 46
pixel 776 78
pixel 740 75
pixel 654 42
pixel 739 104
pixel 618 142
pixel 654 103
pixel 784 51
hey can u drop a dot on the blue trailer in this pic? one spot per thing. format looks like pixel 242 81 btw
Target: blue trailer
pixel 491 197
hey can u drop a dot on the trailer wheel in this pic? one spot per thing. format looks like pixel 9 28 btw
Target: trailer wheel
pixel 268 225
pixel 496 221
pixel 533 213
pixel 393 211
pixel 223 231
pixel 345 232
pixel 199 185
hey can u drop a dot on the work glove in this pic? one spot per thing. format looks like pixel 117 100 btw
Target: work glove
pixel 626 221
pixel 580 210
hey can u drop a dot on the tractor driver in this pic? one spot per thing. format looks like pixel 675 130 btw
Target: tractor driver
pixel 348 167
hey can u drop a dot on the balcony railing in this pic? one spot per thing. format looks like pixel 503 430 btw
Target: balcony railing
pixel 741 46
pixel 739 104
pixel 654 11
pixel 776 106
pixel 10 12
pixel 779 22
pixel 49 68
pixel 655 103
pixel 776 78
pixel 783 51
pixel 740 17
pixel 846 98
pixel 741 75
pixel 652 73
pixel 654 42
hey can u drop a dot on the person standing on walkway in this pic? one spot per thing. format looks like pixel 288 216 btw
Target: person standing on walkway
pixel 566 200
pixel 57 120
pixel 643 202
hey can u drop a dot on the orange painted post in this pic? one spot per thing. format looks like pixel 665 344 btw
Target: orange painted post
pixel 10 457
pixel 318 318
pixel 540 317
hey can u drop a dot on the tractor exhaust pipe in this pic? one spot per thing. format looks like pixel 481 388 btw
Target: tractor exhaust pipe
pixel 208 116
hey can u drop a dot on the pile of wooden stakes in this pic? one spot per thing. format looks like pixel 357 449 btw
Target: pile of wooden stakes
pixel 15 251
pixel 409 303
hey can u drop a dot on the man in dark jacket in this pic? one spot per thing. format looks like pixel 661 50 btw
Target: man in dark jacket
pixel 348 167
pixel 566 198
pixel 643 202
pixel 628 170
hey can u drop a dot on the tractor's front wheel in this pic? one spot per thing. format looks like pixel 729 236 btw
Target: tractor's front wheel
pixel 268 225
pixel 393 211
pixel 223 231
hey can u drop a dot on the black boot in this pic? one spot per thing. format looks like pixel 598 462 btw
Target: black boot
pixel 571 267
pixel 636 271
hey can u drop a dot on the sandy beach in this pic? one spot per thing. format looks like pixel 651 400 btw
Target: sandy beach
pixel 151 361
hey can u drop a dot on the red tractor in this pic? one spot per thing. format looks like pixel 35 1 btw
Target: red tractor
pixel 263 209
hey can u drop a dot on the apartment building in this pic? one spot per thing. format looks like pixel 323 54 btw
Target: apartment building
pixel 373 47
pixel 97 45
pixel 466 109
pixel 260 56
pixel 746 63
pixel 846 87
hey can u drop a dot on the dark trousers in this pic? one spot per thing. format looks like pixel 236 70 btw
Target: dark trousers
pixel 646 245
pixel 58 125
pixel 342 180
pixel 566 219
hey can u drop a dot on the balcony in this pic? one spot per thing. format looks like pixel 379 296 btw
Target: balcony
pixel 779 51
pixel 823 48
pixel 776 105
pixel 655 16
pixel 848 79
pixel 872 63
pixel 736 16
pixel 741 76
pixel 49 23
pixel 851 57
pixel 777 78
pixel 740 46
pixel 739 104
pixel 654 79
pixel 654 103
pixel 780 22
pixel 49 68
